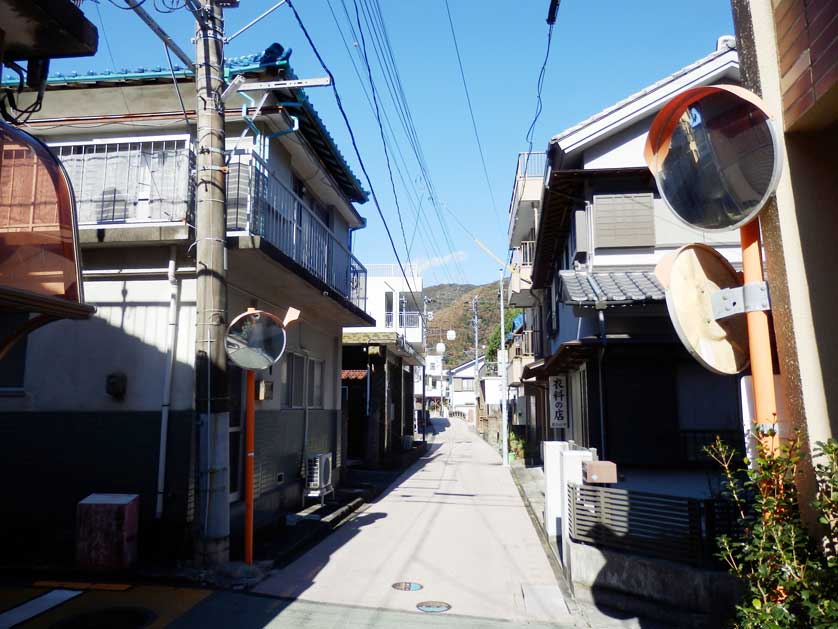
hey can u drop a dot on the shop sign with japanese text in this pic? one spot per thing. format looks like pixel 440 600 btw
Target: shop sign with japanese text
pixel 558 401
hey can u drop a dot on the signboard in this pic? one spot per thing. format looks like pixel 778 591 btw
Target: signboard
pixel 558 401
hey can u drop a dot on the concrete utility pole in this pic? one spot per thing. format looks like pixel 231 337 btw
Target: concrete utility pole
pixel 425 301
pixel 212 400
pixel 504 431
pixel 475 321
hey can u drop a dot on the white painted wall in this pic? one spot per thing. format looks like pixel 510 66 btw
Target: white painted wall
pixel 67 362
pixel 377 288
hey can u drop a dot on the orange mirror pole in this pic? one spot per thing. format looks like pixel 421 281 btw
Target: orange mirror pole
pixel 759 338
pixel 248 465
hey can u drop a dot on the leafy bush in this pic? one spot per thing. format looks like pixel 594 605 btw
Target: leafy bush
pixel 790 579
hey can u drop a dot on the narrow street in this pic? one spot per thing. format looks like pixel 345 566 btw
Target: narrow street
pixel 453 523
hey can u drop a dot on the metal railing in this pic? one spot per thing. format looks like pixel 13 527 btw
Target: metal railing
pixel 531 164
pixel 655 525
pixel 522 344
pixel 526 253
pixel 132 180
pixel 257 201
pixel 406 320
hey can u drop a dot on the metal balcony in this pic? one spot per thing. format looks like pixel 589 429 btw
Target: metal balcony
pixel 520 295
pixel 260 203
pixel 526 194
pixel 406 320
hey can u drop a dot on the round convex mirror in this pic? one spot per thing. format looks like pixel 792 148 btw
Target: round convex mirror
pixel 255 340
pixel 715 157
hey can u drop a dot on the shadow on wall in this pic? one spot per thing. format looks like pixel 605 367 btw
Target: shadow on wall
pixel 78 440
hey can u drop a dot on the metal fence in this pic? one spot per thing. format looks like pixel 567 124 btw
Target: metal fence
pixel 531 164
pixel 668 527
pixel 406 319
pixel 259 202
pixel 130 181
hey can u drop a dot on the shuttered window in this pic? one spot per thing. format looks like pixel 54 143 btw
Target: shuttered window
pixel 624 220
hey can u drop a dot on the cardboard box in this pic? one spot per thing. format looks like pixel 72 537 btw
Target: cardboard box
pixel 599 472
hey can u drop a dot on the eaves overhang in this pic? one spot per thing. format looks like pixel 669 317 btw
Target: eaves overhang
pixel 720 65
pixel 565 191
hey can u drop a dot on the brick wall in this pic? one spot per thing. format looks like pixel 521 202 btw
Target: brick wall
pixel 807 44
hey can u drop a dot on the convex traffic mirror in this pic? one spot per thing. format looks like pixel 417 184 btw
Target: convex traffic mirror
pixel 715 156
pixel 255 340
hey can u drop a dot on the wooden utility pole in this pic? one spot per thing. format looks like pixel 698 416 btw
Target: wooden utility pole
pixel 212 400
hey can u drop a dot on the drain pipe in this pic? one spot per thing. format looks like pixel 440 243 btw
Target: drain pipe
pixel 305 427
pixel 602 335
pixel 171 339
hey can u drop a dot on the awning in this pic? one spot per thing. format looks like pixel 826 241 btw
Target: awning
pixel 569 356
pixel 353 374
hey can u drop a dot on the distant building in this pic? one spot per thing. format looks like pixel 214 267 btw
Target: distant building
pixel 462 383
pixel 380 366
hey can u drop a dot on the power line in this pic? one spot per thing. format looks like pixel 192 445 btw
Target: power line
pixel 540 87
pixel 355 147
pixel 413 139
pixel 471 110
pixel 381 131
pixel 428 241
pixel 403 110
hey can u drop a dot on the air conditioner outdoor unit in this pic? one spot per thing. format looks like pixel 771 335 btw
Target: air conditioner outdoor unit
pixel 319 476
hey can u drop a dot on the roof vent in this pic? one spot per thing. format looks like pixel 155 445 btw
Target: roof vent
pixel 726 42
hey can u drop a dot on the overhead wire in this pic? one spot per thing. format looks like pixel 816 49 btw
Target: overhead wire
pixel 413 195
pixel 357 151
pixel 412 137
pixel 396 89
pixel 471 110
pixel 381 132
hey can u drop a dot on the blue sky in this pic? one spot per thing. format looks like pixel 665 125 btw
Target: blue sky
pixel 602 51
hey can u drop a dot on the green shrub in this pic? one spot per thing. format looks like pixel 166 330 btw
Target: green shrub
pixel 790 578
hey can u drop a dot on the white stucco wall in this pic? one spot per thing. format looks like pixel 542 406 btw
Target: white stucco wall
pixel 67 362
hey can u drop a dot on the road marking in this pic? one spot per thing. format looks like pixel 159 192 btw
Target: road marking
pixel 73 585
pixel 36 606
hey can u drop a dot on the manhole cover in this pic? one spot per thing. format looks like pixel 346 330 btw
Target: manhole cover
pixel 123 617
pixel 433 607
pixel 407 586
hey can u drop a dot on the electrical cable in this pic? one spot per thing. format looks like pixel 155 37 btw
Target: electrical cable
pixel 355 147
pixel 471 110
pixel 417 150
pixel 381 131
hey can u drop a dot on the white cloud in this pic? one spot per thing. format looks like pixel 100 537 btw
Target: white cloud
pixel 424 264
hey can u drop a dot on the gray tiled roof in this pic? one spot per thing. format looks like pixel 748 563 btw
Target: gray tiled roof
pixel 610 289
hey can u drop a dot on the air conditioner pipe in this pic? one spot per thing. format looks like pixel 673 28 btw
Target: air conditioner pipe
pixel 171 339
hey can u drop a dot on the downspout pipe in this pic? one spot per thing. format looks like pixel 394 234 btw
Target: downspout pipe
pixel 168 377
pixel 604 338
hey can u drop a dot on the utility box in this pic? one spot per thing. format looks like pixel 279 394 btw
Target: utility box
pixel 599 472
pixel 106 531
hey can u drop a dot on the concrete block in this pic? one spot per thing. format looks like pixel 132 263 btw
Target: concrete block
pixel 106 531
pixel 552 485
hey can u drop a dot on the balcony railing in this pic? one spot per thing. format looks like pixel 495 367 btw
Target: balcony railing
pixel 522 344
pixel 531 164
pixel 129 181
pixel 258 202
pixel 406 320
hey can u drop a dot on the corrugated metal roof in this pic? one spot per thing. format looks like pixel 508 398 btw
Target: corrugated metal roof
pixel 610 289
pixel 353 374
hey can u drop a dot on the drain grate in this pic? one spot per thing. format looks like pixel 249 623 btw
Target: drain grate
pixel 123 617
pixel 407 586
pixel 433 607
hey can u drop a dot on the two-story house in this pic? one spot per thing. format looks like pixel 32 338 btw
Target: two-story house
pixel 108 405
pixel 603 337
pixel 380 365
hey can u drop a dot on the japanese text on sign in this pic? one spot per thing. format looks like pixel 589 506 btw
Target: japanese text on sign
pixel 558 401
